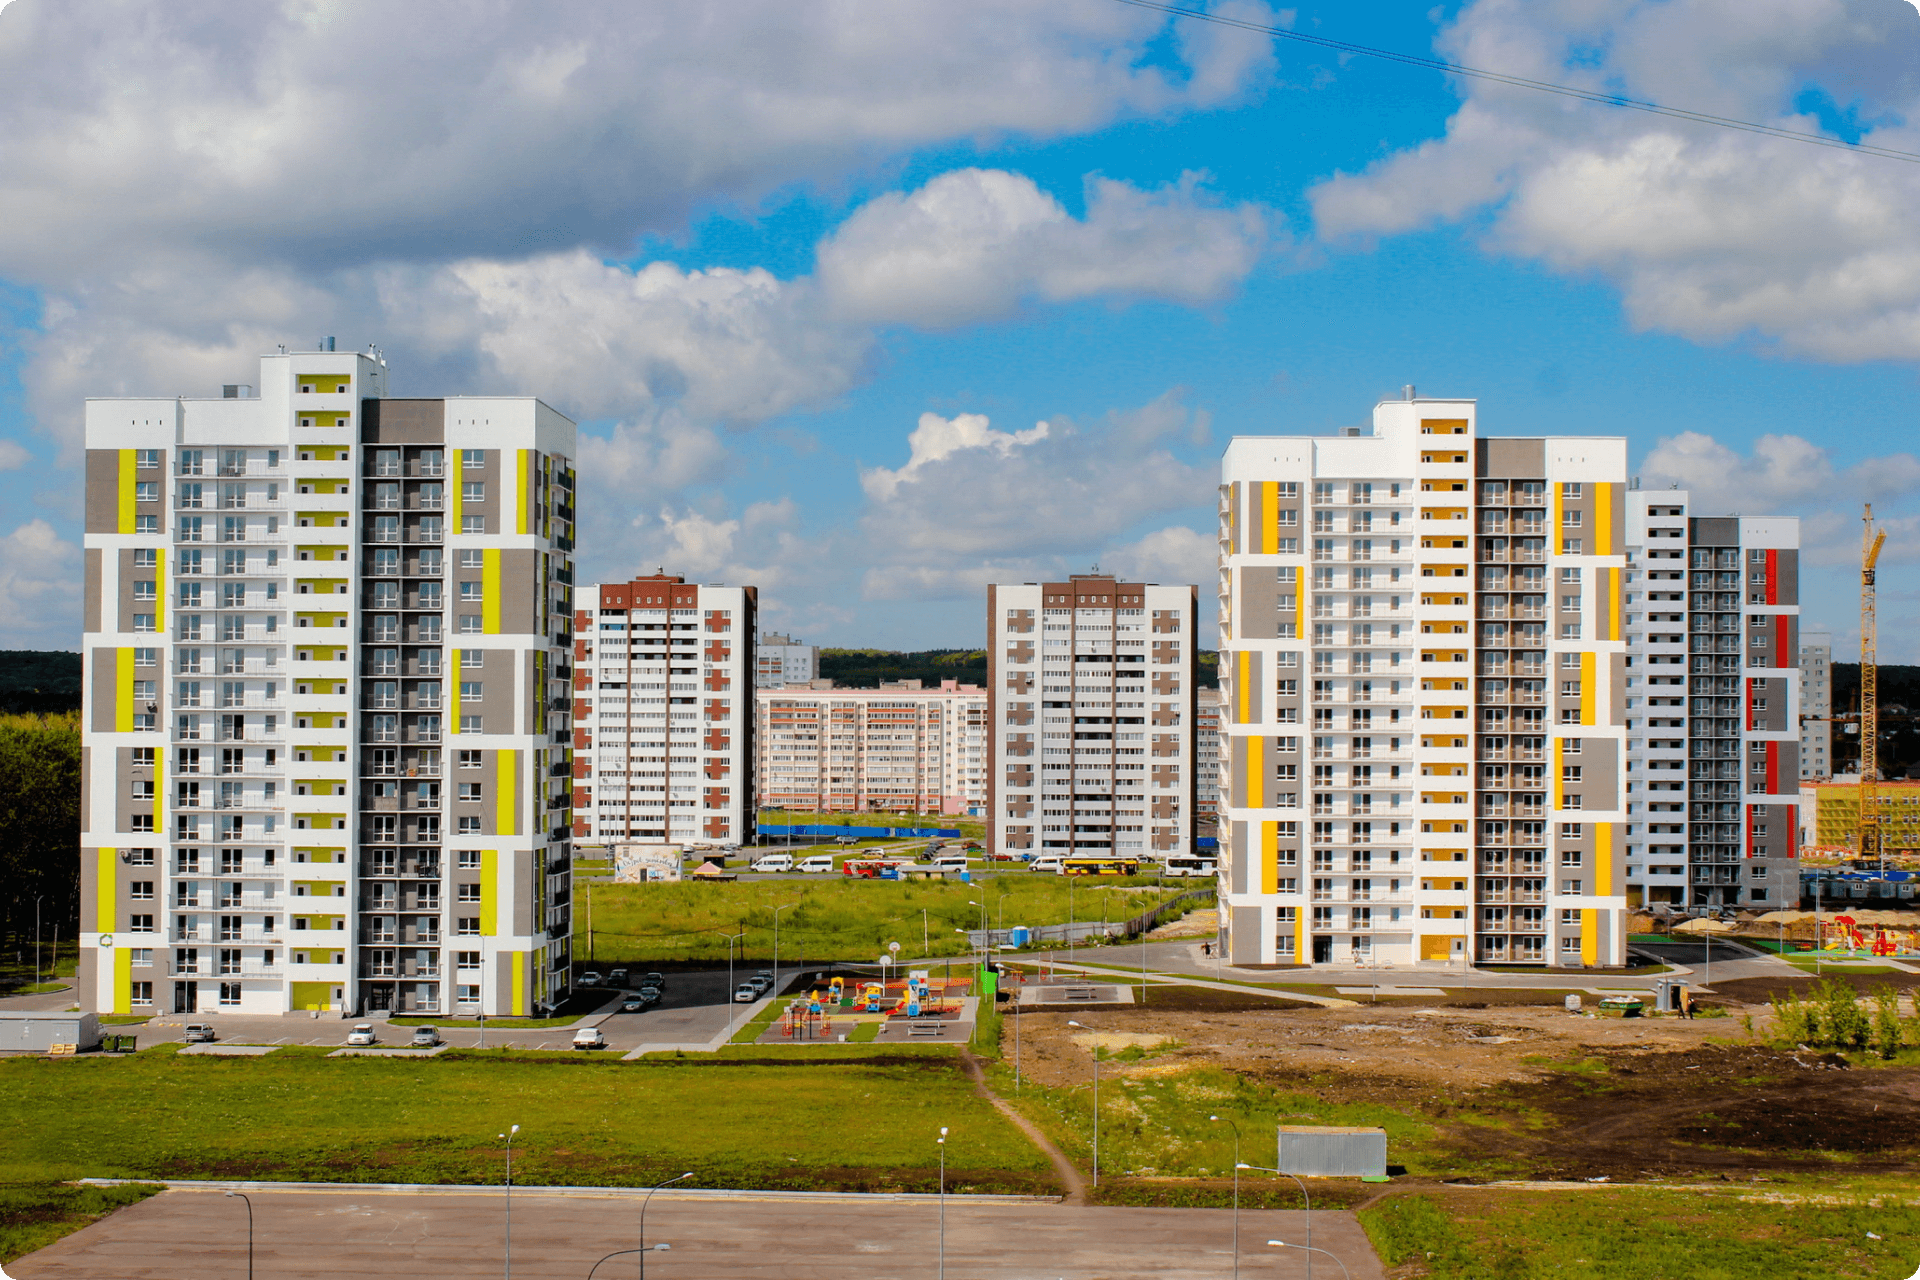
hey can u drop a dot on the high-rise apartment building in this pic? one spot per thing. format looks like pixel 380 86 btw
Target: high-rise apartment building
pixel 1713 705
pixel 780 659
pixel 326 722
pixel 1091 706
pixel 1206 759
pixel 1816 706
pixel 900 748
pixel 663 709
pixel 1426 678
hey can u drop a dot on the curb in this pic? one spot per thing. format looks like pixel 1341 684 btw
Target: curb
pixel 589 1193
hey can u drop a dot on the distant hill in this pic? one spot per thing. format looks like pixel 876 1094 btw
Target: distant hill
pixel 39 681
pixel 866 668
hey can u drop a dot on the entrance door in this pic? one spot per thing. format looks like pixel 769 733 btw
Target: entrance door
pixel 1323 950
pixel 186 997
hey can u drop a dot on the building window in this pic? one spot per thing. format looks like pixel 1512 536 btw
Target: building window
pixel 472 691
pixel 1572 547
pixel 141 993
pixel 470 624
pixel 466 926
pixel 473 491
pixel 467 893
pixel 472 523
pixel 468 825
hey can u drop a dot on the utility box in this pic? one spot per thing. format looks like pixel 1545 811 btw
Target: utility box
pixel 1332 1151
pixel 38 1031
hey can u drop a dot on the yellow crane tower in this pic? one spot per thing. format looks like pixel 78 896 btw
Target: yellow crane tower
pixel 1871 540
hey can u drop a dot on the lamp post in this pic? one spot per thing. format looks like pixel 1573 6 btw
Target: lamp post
pixel 926 939
pixel 1236 1190
pixel 643 1217
pixel 36 937
pixel 1310 1251
pixel 1309 1204
pixel 731 939
pixel 243 1195
pixel 1096 1104
pixel 508 1135
pixel 941 1142
pixel 776 946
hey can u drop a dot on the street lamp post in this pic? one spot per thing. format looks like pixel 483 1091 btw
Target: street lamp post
pixel 243 1195
pixel 1305 1199
pixel 731 939
pixel 36 937
pixel 1096 1104
pixel 1236 1190
pixel 1310 1251
pixel 941 1142
pixel 643 1217
pixel 776 946
pixel 508 1135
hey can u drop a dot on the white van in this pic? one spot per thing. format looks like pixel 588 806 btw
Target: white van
pixel 1047 862
pixel 819 862
pixel 950 862
pixel 773 862
pixel 1191 866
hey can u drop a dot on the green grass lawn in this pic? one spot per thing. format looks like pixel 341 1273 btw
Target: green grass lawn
pixel 34 1215
pixel 836 918
pixel 1644 1234
pixel 55 969
pixel 827 1117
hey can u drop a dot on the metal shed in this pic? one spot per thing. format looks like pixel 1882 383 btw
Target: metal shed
pixel 1332 1151
pixel 38 1031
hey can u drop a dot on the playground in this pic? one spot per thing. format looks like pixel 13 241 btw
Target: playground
pixel 861 1008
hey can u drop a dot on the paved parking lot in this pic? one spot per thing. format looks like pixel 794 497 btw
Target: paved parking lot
pixel 309 1235
pixel 697 1009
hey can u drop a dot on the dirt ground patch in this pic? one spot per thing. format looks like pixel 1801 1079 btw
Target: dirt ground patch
pixel 1536 1092
pixel 1760 991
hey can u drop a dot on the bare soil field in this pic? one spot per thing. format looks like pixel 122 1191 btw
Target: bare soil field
pixel 1526 1091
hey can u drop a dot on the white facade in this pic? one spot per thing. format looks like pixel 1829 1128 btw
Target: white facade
pixel 1424 674
pixel 1816 706
pixel 898 748
pixel 664 703
pixel 1092 705
pixel 780 660
pixel 326 727
pixel 1713 705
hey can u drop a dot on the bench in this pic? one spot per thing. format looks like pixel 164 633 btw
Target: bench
pixel 927 1029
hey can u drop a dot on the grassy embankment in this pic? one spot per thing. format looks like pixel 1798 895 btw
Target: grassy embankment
pixel 34 1215
pixel 1829 1227
pixel 823 1117
pixel 836 919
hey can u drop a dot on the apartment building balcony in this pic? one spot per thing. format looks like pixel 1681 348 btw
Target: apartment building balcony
pixel 1486 895
pixel 214 969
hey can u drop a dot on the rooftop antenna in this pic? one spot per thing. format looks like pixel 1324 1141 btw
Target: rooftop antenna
pixel 1406 392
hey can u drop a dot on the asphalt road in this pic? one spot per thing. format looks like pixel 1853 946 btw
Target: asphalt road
pixel 310 1235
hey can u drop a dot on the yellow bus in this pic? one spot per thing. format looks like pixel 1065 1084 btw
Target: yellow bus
pixel 1100 866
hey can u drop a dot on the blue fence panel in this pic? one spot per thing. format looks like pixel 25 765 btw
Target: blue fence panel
pixel 867 833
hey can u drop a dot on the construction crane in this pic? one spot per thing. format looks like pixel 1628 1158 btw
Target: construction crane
pixel 1871 540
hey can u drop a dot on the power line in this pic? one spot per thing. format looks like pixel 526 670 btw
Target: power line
pixel 1522 82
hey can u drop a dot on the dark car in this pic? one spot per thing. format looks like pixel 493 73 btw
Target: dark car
pixel 647 995
pixel 657 981
pixel 634 1003
pixel 616 977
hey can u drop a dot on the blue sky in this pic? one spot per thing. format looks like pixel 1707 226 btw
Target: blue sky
pixel 811 279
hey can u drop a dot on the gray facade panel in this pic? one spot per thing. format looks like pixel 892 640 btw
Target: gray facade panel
pixel 1258 617
pixel 1511 457
pixel 103 490
pixel 403 421
pixel 1714 531
pixel 93 584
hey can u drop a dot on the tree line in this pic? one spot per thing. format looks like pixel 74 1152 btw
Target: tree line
pixel 39 824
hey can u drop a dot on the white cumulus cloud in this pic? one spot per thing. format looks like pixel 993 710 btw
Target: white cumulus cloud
pixel 1710 233
pixel 977 244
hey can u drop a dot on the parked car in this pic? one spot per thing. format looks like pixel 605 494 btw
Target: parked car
pixel 590 979
pixel 589 1038
pixel 846 839
pixel 616 977
pixel 1045 862
pixel 362 1034
pixel 772 862
pixel 637 1002
pixel 200 1033
pixel 658 981
pixel 816 864
pixel 747 992
pixel 648 995
pixel 425 1037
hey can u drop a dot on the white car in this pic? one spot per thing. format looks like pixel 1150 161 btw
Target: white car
pixel 815 865
pixel 362 1034
pixel 589 1038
